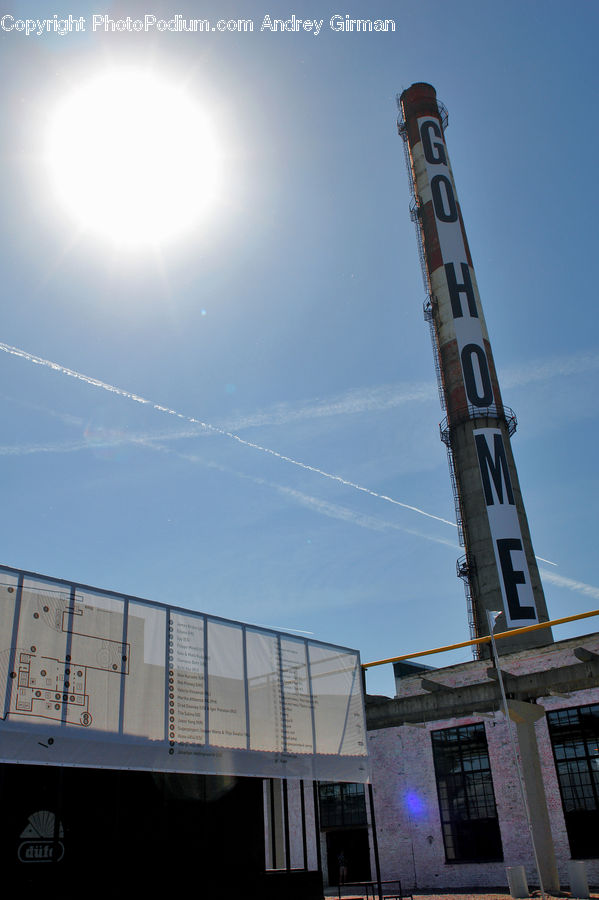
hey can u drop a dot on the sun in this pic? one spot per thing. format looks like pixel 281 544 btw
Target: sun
pixel 132 159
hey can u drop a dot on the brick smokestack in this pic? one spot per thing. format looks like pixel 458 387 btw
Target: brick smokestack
pixel 499 568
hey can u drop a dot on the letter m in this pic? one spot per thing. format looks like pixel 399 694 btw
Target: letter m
pixel 493 468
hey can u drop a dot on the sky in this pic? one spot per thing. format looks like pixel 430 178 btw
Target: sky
pixel 288 320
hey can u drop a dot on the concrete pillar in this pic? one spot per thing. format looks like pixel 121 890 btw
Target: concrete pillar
pixel 516 878
pixel 524 715
pixel 579 884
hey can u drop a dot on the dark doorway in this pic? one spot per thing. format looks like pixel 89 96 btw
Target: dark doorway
pixel 353 842
pixel 111 833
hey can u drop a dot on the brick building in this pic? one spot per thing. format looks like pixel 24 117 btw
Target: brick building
pixel 448 804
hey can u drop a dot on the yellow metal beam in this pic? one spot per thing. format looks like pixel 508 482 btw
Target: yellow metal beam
pixel 483 640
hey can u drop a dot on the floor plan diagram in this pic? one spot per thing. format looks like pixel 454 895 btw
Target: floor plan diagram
pixel 69 660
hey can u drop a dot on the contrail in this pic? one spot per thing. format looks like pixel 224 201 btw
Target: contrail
pixel 579 587
pixel 280 628
pixel 128 395
pixel 322 507
pixel 542 559
pixel 545 369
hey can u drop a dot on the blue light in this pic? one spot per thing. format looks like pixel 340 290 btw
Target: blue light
pixel 415 804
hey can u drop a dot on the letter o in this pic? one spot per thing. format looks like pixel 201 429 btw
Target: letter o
pixel 467 356
pixel 451 215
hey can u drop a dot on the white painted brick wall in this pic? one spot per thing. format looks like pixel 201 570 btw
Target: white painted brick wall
pixel 405 792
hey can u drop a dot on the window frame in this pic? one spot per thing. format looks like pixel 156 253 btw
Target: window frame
pixel 348 811
pixel 465 782
pixel 577 776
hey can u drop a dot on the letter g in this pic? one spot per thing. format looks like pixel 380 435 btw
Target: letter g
pixel 434 153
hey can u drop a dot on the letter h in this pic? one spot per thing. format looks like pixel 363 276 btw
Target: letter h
pixel 456 289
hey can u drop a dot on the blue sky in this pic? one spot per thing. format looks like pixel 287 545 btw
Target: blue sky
pixel 293 318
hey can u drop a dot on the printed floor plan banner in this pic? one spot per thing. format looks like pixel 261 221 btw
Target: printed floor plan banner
pixel 93 678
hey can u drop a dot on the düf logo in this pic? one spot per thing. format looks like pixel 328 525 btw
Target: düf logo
pixel 41 839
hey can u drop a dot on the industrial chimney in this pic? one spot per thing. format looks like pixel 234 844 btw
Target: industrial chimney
pixel 499 568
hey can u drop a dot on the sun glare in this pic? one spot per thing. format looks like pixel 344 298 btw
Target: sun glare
pixel 132 159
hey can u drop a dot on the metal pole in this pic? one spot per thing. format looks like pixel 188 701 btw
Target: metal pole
pixel 375 843
pixel 303 814
pixel 506 712
pixel 483 640
pixel 273 825
pixel 316 801
pixel 286 826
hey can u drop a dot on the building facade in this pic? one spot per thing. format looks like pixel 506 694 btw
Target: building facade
pixel 447 796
